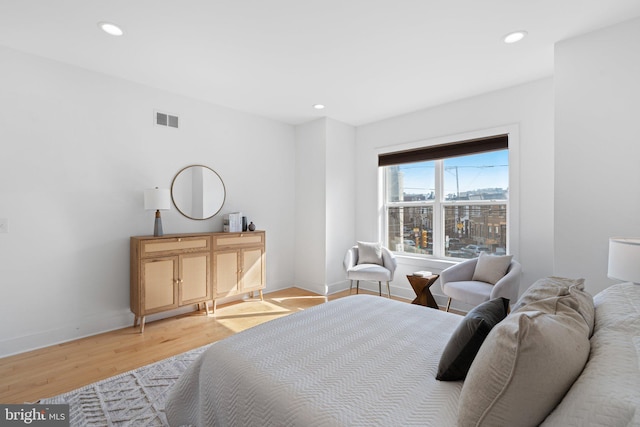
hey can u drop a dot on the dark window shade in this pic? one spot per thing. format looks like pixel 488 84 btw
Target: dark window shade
pixel 435 152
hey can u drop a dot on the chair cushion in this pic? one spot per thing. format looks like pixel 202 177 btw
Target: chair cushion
pixel 374 272
pixel 468 337
pixel 469 292
pixel 525 366
pixel 370 253
pixel 491 268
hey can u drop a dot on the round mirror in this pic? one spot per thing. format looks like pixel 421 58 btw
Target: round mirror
pixel 198 192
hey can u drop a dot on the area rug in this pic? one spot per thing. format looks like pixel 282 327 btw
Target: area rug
pixel 134 398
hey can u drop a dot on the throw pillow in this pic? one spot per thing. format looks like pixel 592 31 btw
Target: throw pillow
pixel 369 253
pixel 491 268
pixel 585 307
pixel 575 299
pixel 468 337
pixel 525 367
pixel 547 288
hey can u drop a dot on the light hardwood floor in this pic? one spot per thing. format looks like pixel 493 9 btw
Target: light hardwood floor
pixel 49 371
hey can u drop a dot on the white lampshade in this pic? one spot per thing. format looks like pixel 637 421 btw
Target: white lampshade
pixel 157 199
pixel 624 259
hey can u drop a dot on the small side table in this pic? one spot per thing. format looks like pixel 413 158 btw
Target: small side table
pixel 421 287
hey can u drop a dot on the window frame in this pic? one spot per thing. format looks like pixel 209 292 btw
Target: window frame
pixel 438 204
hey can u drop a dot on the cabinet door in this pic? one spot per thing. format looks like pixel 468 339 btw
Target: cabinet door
pixel 225 277
pixel 194 278
pixel 158 284
pixel 252 269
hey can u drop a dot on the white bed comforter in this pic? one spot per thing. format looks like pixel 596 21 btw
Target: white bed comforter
pixel 360 360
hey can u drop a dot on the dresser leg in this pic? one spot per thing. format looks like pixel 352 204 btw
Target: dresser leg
pixel 206 307
pixel 214 307
pixel 261 296
pixel 141 324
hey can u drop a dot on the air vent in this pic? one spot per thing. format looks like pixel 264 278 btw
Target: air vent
pixel 166 119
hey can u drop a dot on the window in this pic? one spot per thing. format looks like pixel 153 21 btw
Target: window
pixel 448 200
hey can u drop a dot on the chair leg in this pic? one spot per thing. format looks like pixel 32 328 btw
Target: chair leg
pixel 388 290
pixel 448 304
pixel 357 286
pixel 350 286
pixel 380 288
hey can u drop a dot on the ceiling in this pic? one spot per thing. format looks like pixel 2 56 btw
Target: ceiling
pixel 365 60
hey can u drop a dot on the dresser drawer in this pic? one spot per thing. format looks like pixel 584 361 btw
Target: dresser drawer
pixel 155 247
pixel 238 240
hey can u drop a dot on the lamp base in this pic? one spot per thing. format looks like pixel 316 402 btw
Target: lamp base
pixel 157 227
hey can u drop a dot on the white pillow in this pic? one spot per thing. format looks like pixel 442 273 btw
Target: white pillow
pixel 525 366
pixel 491 268
pixel 370 253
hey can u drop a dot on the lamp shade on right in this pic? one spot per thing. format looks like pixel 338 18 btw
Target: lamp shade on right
pixel 624 259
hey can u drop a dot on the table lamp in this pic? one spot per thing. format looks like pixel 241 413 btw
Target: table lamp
pixel 157 199
pixel 624 259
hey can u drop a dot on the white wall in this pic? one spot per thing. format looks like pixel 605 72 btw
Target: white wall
pixel 310 213
pixel 77 150
pixel 341 200
pixel 529 108
pixel 597 147
pixel 325 203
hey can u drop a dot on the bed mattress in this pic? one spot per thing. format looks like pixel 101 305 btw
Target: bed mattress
pixel 359 360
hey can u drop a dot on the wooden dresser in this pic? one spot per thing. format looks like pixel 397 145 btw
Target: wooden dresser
pixel 180 269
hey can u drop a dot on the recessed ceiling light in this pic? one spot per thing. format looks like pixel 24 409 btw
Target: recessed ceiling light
pixel 318 106
pixel 110 28
pixel 515 36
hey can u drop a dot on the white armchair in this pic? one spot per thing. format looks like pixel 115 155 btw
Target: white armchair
pixel 370 272
pixel 457 283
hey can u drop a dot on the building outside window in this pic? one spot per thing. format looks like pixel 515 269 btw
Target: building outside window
pixel 450 202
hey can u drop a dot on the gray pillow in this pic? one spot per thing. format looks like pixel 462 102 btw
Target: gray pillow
pixel 370 253
pixel 585 306
pixel 491 268
pixel 546 288
pixel 525 366
pixel 468 337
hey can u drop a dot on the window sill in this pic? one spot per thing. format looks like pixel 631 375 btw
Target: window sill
pixel 424 262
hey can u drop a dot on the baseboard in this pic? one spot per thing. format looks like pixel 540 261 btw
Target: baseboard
pixel 71 332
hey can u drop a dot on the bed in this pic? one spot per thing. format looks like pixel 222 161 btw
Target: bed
pixel 366 360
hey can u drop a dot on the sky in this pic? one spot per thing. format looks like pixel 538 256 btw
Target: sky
pixel 486 170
